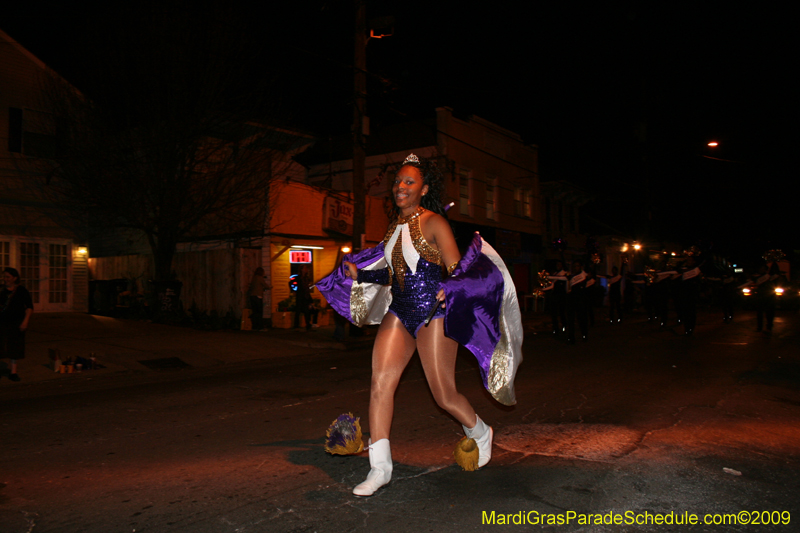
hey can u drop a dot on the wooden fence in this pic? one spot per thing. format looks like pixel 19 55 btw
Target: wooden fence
pixel 213 280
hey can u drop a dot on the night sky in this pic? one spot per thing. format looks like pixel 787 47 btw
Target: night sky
pixel 621 101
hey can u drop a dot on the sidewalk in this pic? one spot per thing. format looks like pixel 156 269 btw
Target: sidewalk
pixel 121 345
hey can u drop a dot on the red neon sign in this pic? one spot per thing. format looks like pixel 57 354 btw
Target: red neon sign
pixel 299 256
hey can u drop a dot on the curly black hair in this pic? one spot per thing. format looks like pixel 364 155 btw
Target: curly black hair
pixel 434 179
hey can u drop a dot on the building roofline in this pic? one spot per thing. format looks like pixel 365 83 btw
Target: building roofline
pixel 35 60
pixel 24 51
pixel 487 124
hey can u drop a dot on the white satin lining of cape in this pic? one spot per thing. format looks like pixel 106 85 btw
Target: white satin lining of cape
pixel 369 302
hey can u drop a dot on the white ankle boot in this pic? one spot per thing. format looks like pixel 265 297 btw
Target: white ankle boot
pixel 380 473
pixel 483 436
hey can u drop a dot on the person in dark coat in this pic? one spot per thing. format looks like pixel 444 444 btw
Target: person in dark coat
pixel 16 308
pixel 766 300
pixel 303 298
pixel 258 285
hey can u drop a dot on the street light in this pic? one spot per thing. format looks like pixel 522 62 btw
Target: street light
pixel 714 145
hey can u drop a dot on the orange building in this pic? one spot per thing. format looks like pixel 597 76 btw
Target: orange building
pixel 311 227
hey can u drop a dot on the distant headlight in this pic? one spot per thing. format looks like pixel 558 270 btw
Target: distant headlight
pixel 779 291
pixel 746 292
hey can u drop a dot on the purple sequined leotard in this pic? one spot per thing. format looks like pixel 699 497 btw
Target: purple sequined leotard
pixel 412 303
pixel 413 291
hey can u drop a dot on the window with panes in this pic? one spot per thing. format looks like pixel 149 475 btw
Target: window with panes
pixel 5 254
pixel 58 274
pixel 491 202
pixel 29 268
pixel 527 198
pixel 464 186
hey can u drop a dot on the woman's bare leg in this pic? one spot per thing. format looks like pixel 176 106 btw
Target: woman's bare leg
pixel 392 351
pixel 438 355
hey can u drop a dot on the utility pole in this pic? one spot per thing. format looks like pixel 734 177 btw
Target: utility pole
pixel 359 124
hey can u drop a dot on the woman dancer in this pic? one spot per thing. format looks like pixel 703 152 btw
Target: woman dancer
pixel 418 245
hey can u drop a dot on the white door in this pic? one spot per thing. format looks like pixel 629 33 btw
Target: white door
pixel 45 269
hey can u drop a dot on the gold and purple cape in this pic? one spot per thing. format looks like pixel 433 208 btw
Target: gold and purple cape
pixel 482 312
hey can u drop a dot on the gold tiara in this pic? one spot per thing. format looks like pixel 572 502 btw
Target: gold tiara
pixel 411 159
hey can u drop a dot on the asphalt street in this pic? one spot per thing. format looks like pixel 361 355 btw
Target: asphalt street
pixel 640 424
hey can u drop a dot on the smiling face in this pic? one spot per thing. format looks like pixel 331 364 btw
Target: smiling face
pixel 408 189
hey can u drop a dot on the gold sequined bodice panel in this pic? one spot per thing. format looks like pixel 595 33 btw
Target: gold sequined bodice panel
pixel 425 250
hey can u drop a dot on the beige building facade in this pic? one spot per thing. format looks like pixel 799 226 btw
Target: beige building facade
pixel 491 180
pixel 52 260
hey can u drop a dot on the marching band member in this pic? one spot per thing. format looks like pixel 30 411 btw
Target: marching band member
pixel 615 295
pixel 689 290
pixel 662 293
pixel 728 296
pixel 576 303
pixel 558 298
